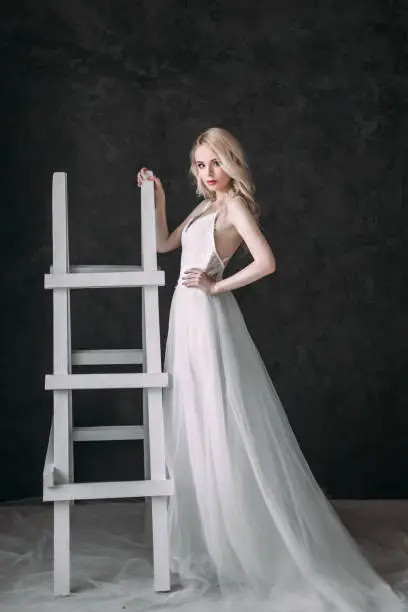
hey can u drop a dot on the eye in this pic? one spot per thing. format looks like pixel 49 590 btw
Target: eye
pixel 200 165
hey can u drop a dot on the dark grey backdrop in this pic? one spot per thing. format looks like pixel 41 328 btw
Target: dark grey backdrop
pixel 316 94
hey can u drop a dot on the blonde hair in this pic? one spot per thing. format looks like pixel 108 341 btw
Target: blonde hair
pixel 233 161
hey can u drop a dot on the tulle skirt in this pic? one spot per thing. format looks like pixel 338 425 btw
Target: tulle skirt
pixel 247 518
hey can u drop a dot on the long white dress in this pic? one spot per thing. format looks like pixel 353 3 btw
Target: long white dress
pixel 247 518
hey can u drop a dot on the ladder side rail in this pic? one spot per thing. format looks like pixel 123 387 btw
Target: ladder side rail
pixel 152 352
pixel 61 398
pixel 146 448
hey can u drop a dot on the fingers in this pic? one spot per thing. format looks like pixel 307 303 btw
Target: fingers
pixel 141 176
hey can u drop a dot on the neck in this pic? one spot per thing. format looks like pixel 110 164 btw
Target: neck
pixel 222 195
pixel 220 198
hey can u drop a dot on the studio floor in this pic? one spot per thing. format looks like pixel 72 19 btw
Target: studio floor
pixel 111 566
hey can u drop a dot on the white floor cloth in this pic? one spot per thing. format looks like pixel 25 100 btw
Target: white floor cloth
pixel 111 557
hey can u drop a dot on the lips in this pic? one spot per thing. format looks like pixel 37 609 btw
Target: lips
pixel 211 182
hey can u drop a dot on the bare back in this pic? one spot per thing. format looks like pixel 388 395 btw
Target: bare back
pixel 226 237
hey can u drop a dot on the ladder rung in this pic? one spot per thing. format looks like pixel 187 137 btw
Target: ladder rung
pixel 104 268
pixel 107 357
pixel 109 490
pixel 102 433
pixel 55 382
pixel 98 280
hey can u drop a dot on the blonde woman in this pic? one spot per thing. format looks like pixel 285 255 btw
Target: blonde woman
pixel 247 516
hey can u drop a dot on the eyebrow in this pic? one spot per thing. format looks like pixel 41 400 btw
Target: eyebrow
pixel 201 162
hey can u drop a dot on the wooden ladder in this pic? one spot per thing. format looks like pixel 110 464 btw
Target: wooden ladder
pixel 58 482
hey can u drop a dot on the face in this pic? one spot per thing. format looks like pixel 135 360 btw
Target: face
pixel 209 169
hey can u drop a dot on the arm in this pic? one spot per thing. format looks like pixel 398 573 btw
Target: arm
pixel 169 242
pixel 162 231
pixel 264 260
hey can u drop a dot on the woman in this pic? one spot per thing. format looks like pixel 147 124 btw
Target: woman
pixel 247 515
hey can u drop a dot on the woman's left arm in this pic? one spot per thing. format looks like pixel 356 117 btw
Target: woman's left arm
pixel 264 260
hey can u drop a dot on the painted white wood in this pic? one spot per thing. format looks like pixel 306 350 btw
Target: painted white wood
pixel 62 403
pixel 98 280
pixel 49 476
pixel 146 446
pixel 148 524
pixel 152 354
pixel 110 490
pixel 103 268
pixel 58 485
pixel 70 424
pixel 103 433
pixel 110 380
pixel 62 542
pixel 108 357
pixel 49 467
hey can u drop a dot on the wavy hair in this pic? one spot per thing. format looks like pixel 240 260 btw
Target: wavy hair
pixel 233 161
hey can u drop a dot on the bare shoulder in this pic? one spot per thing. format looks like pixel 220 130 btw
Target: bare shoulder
pixel 236 203
pixel 227 218
pixel 238 212
pixel 244 222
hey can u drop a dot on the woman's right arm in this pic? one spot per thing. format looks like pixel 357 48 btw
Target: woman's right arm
pixel 165 242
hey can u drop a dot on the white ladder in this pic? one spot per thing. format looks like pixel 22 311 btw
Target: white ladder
pixel 58 484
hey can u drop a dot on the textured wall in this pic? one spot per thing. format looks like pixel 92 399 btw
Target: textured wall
pixel 315 92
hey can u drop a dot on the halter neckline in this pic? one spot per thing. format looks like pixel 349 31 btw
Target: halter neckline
pixel 211 227
pixel 200 216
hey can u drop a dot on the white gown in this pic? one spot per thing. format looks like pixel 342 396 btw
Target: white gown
pixel 247 518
